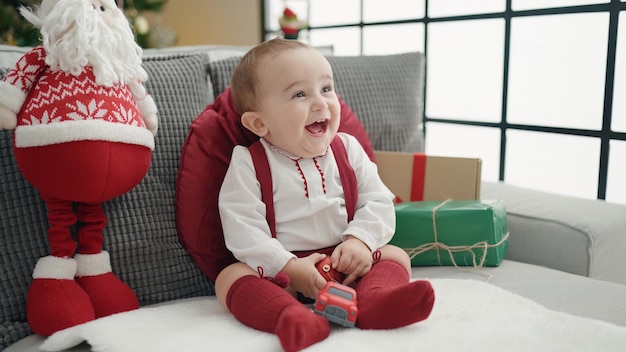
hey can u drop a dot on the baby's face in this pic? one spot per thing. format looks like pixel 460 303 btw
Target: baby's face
pixel 297 102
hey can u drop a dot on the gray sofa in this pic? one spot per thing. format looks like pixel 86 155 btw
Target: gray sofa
pixel 564 253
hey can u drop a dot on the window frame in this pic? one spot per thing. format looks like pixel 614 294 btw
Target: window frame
pixel 605 134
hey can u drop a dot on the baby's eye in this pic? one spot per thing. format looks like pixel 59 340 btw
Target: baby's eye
pixel 298 95
pixel 327 89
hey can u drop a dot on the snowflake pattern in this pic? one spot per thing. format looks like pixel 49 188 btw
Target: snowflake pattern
pixel 26 70
pixel 54 96
pixel 46 118
pixel 124 115
pixel 92 111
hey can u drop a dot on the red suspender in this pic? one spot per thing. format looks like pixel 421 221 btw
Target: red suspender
pixel 346 173
pixel 263 174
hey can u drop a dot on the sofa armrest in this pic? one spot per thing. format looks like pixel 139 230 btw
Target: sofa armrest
pixel 580 236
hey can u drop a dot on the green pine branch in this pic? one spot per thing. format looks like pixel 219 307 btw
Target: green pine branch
pixel 145 5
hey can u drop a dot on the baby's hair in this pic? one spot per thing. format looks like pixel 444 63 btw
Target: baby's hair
pixel 244 81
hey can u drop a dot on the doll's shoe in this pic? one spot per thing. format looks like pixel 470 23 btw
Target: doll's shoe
pixel 108 294
pixel 55 301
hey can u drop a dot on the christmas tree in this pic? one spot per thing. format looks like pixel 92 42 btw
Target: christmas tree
pixel 15 30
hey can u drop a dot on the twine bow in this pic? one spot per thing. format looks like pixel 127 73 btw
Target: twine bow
pixel 436 245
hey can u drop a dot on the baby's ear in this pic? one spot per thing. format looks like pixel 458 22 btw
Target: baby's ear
pixel 252 121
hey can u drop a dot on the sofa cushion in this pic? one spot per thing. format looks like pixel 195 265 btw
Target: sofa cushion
pixel 141 231
pixel 579 236
pixel 9 54
pixel 220 72
pixel 385 93
pixel 157 265
pixel 23 227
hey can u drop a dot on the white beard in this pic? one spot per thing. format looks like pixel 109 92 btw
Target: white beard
pixel 75 36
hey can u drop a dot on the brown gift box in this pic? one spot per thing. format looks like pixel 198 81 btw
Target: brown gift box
pixel 420 177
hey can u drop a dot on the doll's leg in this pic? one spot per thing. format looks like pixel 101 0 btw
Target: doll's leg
pixel 387 299
pixel 262 305
pixel 108 294
pixel 53 278
pixel 92 221
pixel 61 218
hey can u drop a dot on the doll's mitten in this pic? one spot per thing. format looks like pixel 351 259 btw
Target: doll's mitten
pixel 145 104
pixel 8 119
pixel 148 111
pixel 152 123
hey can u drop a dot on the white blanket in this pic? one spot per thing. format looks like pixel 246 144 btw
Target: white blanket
pixel 468 316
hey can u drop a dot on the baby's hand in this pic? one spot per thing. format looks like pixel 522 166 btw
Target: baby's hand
pixel 352 258
pixel 303 275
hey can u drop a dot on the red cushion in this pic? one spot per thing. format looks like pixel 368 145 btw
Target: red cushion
pixel 203 163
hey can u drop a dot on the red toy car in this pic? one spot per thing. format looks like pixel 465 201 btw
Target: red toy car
pixel 338 304
pixel 325 267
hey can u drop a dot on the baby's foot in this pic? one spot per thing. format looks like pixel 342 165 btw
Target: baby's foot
pixel 397 306
pixel 300 328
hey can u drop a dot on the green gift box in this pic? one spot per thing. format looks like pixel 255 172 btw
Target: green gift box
pixel 459 233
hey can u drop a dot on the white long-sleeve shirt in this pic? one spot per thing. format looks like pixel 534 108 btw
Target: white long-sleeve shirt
pixel 302 223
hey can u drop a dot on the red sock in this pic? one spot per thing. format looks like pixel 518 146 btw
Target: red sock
pixel 262 305
pixel 388 300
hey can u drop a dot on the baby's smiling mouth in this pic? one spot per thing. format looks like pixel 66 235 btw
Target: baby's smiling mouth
pixel 317 128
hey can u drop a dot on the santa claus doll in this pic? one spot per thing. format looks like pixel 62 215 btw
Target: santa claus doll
pixel 84 130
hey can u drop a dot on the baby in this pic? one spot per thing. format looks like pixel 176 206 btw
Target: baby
pixel 284 91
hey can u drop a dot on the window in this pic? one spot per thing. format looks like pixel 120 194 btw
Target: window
pixel 532 87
